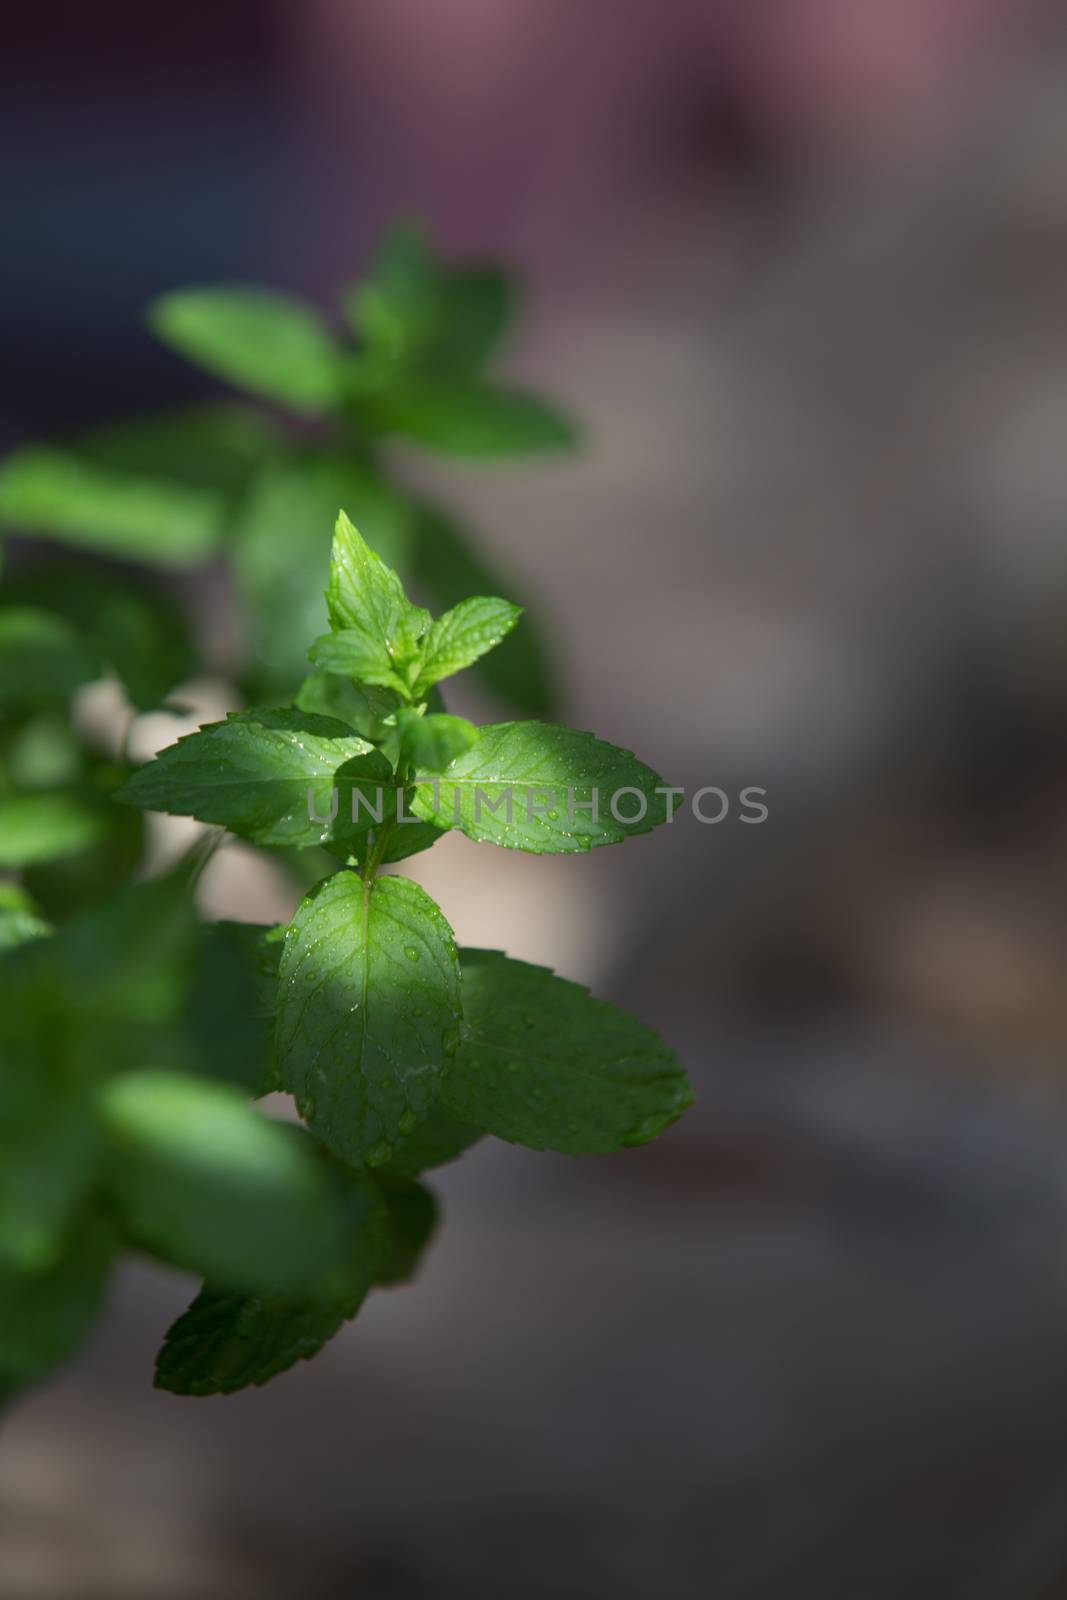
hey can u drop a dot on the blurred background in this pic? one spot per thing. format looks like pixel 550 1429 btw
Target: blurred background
pixel 801 270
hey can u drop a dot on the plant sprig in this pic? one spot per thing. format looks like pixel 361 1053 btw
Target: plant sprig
pixel 400 1050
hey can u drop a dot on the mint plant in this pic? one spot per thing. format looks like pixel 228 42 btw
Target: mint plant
pixel 399 1050
pixel 135 1040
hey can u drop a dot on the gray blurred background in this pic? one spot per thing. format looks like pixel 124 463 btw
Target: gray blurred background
pixel 802 269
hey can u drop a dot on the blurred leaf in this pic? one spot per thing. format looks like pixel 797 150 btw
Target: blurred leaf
pixel 43 752
pixel 463 416
pixel 130 624
pixel 47 1163
pixel 281 552
pixel 45 1316
pixel 132 955
pixel 268 343
pixel 213 446
pixel 20 920
pixel 232 1007
pixel 71 884
pixel 544 1064
pixel 225 1342
pixel 104 994
pixel 46 826
pixel 414 309
pixel 208 1183
pixel 42 659
pixel 447 562
pixel 413 1216
pixel 62 494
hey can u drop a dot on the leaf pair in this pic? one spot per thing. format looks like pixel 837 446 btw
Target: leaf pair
pixel 380 639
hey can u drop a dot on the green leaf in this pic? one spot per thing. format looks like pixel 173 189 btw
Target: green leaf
pixel 457 639
pixel 46 827
pixel 67 884
pixel 262 773
pixel 280 546
pixel 135 627
pixel 414 309
pixel 232 1007
pixel 213 446
pixel 45 1316
pixel 47 1162
pixel 227 1341
pixel 413 1216
pixel 67 496
pixel 105 993
pixel 141 634
pixel 207 1183
pixel 436 1141
pixel 368 1011
pixel 430 743
pixel 377 629
pixel 42 659
pixel 530 786
pixel 268 343
pixel 410 839
pixel 465 417
pixel 543 1064
pixel 449 564
pixel 363 707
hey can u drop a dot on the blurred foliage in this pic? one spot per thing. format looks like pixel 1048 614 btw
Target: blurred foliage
pixel 101 978
pixel 259 489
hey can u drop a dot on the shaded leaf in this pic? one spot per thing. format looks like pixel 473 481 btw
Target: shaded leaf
pixel 465 417
pixel 233 1003
pixel 413 1216
pixel 438 1139
pixel 45 1316
pixel 544 1064
pixel 431 743
pixel 206 1182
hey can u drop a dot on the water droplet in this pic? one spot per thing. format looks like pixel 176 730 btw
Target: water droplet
pixel 407 1122
pixel 450 1041
pixel 411 953
pixel 379 1154
pixel 553 816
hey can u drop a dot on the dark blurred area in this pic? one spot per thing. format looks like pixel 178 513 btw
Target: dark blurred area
pixel 801 270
